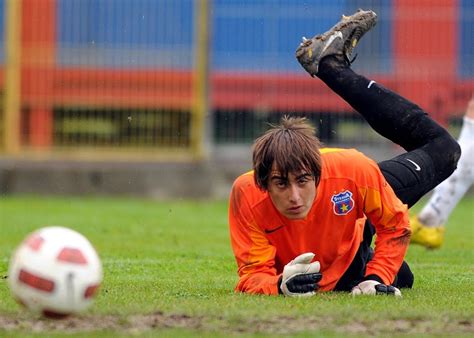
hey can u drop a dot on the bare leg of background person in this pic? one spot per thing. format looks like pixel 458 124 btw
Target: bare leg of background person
pixel 428 225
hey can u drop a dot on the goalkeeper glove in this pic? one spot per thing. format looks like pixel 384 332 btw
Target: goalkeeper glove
pixel 372 287
pixel 300 277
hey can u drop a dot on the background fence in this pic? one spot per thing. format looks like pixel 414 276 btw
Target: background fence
pixel 164 78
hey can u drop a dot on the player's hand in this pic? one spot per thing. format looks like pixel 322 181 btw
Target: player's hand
pixel 372 287
pixel 300 277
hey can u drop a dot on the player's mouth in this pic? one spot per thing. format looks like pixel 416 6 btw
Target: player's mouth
pixel 295 210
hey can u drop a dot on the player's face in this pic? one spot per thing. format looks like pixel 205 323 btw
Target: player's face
pixel 293 196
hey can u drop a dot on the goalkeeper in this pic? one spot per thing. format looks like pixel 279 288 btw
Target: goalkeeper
pixel 304 218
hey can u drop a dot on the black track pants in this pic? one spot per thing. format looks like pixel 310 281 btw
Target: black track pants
pixel 431 157
pixel 432 153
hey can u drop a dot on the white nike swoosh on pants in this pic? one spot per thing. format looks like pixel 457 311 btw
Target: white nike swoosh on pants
pixel 417 167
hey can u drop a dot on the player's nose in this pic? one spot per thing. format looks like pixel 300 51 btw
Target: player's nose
pixel 294 193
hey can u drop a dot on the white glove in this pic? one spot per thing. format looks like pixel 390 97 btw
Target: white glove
pixel 300 277
pixel 372 287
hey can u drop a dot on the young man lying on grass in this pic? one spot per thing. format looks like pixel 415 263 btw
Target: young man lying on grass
pixel 302 202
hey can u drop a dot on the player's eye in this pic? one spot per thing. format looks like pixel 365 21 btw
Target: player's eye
pixel 304 179
pixel 281 184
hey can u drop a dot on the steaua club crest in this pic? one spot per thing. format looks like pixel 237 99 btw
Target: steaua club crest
pixel 343 203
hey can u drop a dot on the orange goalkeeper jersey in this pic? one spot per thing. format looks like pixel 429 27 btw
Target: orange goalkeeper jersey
pixel 351 189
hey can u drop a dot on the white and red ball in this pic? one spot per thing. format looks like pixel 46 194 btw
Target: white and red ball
pixel 55 271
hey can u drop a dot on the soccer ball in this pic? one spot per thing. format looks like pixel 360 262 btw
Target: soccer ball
pixel 55 271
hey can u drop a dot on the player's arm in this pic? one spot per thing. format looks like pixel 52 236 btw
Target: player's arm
pixel 256 257
pixel 390 219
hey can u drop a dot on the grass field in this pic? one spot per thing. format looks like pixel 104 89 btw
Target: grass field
pixel 169 271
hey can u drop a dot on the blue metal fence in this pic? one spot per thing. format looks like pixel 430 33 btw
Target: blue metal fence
pixel 247 35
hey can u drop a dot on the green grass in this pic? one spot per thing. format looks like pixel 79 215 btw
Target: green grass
pixel 169 270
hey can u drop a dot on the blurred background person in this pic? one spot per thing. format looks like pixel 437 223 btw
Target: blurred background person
pixel 429 225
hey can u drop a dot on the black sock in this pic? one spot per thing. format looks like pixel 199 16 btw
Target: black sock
pixel 404 278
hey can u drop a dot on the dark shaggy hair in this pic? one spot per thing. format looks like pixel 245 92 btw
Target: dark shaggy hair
pixel 292 146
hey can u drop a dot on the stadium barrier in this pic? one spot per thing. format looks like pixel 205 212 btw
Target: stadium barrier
pixel 69 96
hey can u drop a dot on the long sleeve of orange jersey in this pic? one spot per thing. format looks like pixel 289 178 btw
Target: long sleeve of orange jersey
pixel 254 254
pixel 390 219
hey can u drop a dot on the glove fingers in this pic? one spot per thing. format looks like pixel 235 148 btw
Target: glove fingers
pixel 370 287
pixel 313 267
pixel 304 283
pixel 367 287
pixel 305 258
pixel 303 288
pixel 300 276
pixel 307 278
pixel 382 289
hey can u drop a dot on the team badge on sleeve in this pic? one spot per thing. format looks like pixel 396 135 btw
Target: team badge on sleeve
pixel 342 203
